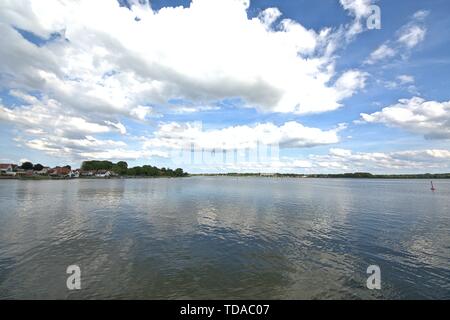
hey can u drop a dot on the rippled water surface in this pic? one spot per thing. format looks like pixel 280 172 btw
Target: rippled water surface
pixel 225 237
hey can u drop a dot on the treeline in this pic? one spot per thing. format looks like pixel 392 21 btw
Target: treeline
pixel 121 168
pixel 36 167
pixel 230 174
pixel 367 175
pixel 356 175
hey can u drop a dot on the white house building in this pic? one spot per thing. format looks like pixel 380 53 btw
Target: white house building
pixel 103 174
pixel 7 168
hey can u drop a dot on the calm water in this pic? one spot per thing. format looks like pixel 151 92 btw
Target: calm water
pixel 223 237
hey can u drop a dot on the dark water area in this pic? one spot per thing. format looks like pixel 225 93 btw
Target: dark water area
pixel 225 238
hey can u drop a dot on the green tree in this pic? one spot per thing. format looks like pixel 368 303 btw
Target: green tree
pixel 179 172
pixel 122 164
pixel 27 165
pixel 120 168
pixel 38 167
pixel 96 165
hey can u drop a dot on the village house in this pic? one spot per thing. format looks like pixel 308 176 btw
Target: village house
pixel 59 171
pixel 23 172
pixel 86 173
pixel 7 168
pixel 76 173
pixel 268 174
pixel 103 174
pixel 42 172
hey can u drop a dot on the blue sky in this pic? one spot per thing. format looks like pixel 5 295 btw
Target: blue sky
pixel 146 82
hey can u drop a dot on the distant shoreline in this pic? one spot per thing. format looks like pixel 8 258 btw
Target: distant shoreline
pixel 330 176
pixel 278 176
pixel 42 178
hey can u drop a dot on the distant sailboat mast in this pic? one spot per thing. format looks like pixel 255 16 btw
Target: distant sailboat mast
pixel 432 186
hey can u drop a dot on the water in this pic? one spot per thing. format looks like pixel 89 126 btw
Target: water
pixel 225 237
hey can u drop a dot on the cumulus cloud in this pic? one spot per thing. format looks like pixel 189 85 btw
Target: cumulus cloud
pixel 46 126
pixel 84 73
pixel 58 145
pixel 289 135
pixel 429 118
pixel 125 58
pixel 89 72
pixel 48 116
pixel 350 82
pixel 141 112
pixel 78 149
pixel 269 16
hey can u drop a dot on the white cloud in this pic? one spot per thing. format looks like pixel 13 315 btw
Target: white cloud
pixel 121 154
pixel 289 135
pixel 104 67
pixel 360 9
pixel 49 116
pixel 430 118
pixel 401 82
pixel 141 112
pixel 340 152
pixel 421 15
pixel 67 146
pixel 424 155
pixel 48 127
pixel 343 159
pixel 350 82
pixel 91 70
pixel 118 126
pixel 412 36
pixel 269 16
pixel 88 148
pixel 408 37
pixel 23 160
pixel 113 64
pixel 182 109
pixel 381 53
pixel 405 79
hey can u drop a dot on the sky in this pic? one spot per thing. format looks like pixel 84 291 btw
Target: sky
pixel 327 86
